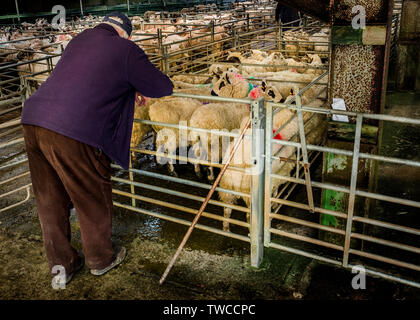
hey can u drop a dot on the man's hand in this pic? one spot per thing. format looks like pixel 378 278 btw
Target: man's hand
pixel 140 99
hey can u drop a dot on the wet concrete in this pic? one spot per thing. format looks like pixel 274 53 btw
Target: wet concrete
pixel 211 266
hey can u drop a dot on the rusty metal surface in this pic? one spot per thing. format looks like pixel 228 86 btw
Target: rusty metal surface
pixel 376 10
pixel 357 76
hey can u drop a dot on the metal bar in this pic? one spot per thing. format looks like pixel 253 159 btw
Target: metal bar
pixel 306 207
pixel 257 183
pixel 304 253
pixel 9 143
pixel 307 223
pixel 387 225
pixel 353 185
pixel 17 10
pixel 203 206
pixel 15 190
pixel 183 181
pixel 384 259
pixel 183 127
pixel 306 239
pixel 28 194
pixel 186 159
pixel 180 208
pixel 181 194
pixel 181 221
pixel 14 178
pixel 268 168
pixel 389 277
pixel 386 242
pixel 306 163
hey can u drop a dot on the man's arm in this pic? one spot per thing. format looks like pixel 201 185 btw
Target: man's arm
pixel 145 77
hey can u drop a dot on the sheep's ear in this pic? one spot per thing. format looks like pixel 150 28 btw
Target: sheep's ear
pixel 217 72
pixel 227 78
pixel 209 80
pixel 263 85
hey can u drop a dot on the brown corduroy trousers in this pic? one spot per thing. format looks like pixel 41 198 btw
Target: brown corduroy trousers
pixel 66 171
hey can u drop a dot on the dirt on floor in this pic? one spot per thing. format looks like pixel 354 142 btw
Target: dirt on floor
pixel 210 267
pixel 197 275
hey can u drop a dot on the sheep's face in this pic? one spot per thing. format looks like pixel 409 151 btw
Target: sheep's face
pixel 232 85
pixel 271 93
pixel 219 71
pixel 234 57
pixel 258 55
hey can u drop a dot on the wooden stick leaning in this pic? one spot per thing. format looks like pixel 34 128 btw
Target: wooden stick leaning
pixel 203 206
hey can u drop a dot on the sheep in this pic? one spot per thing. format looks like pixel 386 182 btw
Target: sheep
pixel 172 110
pixel 281 91
pixel 214 116
pixel 232 85
pixel 191 79
pixel 240 181
pixel 318 46
pixel 274 62
pixel 219 116
pixel 140 130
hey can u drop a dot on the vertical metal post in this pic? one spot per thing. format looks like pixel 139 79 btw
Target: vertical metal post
pixel 165 59
pixel 17 10
pixel 128 5
pixel 160 47
pixel 267 170
pixel 81 8
pixel 353 185
pixel 281 36
pixel 257 182
pixel 131 177
pixel 306 163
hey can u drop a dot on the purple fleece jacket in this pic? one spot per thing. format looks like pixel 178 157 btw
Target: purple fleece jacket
pixel 90 94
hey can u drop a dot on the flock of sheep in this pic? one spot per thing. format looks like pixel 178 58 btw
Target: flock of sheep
pixel 280 78
pixel 250 74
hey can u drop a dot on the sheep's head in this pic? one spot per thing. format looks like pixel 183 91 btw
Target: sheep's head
pixel 218 70
pixel 235 57
pixel 271 93
pixel 232 85
pixel 258 54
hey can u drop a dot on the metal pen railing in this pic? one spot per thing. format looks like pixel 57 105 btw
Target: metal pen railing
pixel 349 216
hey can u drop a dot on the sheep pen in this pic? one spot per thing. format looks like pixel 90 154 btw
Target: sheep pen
pixel 247 74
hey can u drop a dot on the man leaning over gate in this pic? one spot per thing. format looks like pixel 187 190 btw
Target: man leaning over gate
pixel 79 120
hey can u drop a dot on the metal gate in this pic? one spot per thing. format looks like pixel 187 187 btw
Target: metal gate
pixel 347 252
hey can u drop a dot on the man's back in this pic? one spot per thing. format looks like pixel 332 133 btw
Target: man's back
pixel 90 94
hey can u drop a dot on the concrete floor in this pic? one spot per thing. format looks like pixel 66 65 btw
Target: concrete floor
pixel 211 266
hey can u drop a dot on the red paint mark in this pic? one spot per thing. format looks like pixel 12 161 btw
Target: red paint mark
pixel 278 136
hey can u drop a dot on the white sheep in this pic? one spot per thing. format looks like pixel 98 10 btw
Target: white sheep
pixel 214 116
pixel 172 110
pixel 281 91
pixel 240 181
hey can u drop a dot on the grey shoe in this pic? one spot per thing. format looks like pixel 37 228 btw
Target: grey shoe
pixel 78 268
pixel 118 259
